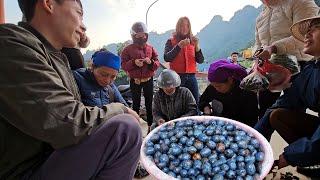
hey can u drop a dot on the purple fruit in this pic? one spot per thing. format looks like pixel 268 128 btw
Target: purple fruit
pixel 211 144
pixel 241 172
pixel 185 156
pixel 205 152
pixel 183 140
pixel 259 156
pixel 231 174
pixel 197 132
pixel 229 153
pixel 154 138
pixel 220 147
pixel 218 177
pixel 203 138
pixel 240 158
pixel 183 173
pixel 196 156
pixel 170 173
pixel 230 127
pixel 206 168
pixel 242 144
pixel 186 164
pixel 224 167
pixel 197 164
pixel 198 145
pixel 150 151
pixel 250 168
pixel 191 172
pixel 176 150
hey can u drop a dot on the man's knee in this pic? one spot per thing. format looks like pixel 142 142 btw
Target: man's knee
pixel 277 117
pixel 126 122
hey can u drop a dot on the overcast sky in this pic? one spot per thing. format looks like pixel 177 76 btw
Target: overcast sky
pixel 109 21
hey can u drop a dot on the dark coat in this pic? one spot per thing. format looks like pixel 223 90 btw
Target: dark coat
pixel 40 107
pixel 238 104
pixel 92 94
pixel 304 93
pixel 180 104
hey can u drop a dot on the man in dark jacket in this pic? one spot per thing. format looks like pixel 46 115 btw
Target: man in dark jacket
pixel 45 130
pixel 172 101
pixel 287 116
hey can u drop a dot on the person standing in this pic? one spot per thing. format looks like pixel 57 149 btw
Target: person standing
pixel 234 57
pixel 140 61
pixel 183 52
pixel 274 37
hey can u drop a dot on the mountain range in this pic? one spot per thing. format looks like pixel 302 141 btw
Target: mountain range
pixel 217 39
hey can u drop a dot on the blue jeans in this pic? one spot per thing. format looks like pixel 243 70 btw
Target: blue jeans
pixel 189 81
pixel 111 152
pixel 264 127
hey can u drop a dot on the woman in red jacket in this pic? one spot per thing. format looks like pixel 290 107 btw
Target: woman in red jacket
pixel 182 50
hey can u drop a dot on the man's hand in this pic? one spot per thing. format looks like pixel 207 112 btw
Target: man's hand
pixel 184 43
pixel 207 110
pixel 139 62
pixel 161 121
pixel 282 162
pixel 147 60
pixel 134 114
pixel 266 52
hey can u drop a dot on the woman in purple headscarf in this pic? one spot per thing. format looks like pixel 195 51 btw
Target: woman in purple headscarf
pixel 224 98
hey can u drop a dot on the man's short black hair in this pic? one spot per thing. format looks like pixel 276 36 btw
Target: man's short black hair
pixel 234 53
pixel 28 7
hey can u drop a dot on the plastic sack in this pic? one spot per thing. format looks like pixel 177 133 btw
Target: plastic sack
pixel 288 61
pixel 255 81
pixel 277 75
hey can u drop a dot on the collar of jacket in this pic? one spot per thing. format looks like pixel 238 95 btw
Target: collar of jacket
pixel 45 42
pixel 168 96
pixel 141 46
pixel 89 75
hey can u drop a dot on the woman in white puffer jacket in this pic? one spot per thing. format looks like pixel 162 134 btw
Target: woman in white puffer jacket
pixel 273 27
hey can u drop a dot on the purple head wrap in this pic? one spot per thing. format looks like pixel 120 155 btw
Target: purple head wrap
pixel 221 69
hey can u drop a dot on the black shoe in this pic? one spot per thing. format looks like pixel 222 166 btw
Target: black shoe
pixel 310 171
pixel 140 172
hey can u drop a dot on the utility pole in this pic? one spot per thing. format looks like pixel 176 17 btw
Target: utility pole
pixel 148 11
pixel 2 20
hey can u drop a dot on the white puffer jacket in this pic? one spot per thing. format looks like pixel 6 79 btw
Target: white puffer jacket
pixel 273 25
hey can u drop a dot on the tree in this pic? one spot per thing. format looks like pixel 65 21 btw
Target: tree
pixel 122 77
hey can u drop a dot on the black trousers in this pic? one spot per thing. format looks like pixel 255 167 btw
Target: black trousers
pixel 266 100
pixel 148 96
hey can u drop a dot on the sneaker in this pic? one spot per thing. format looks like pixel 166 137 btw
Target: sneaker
pixel 140 172
pixel 310 171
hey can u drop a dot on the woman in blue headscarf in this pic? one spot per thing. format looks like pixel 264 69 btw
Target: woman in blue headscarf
pixel 224 98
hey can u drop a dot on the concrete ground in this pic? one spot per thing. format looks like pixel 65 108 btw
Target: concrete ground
pixel 277 144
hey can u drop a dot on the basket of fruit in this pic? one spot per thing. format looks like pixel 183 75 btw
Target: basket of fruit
pixel 206 147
